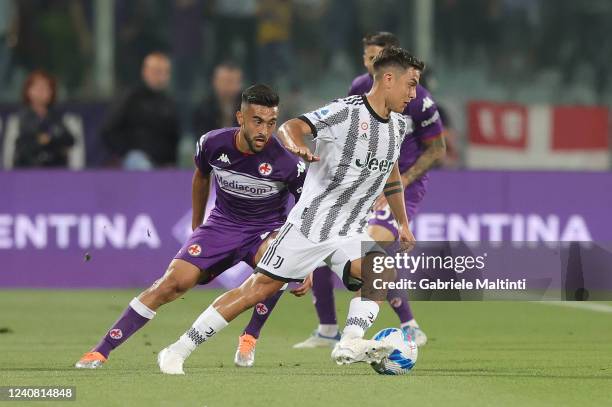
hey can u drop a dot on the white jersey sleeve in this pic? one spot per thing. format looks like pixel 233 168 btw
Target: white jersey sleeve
pixel 323 119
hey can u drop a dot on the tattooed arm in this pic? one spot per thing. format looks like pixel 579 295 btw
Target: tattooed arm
pixel 435 150
pixel 394 192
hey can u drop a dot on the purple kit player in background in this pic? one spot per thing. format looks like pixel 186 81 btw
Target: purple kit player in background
pixel 255 177
pixel 423 147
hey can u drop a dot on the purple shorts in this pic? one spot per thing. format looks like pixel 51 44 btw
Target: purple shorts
pixel 412 197
pixel 221 243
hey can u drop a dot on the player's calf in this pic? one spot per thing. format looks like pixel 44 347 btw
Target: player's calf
pixel 255 289
pixel 135 316
pixel 179 277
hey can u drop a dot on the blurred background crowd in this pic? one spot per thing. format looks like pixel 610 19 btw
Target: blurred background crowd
pixel 133 83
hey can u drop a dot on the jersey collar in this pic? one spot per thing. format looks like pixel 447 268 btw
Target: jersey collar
pixel 371 110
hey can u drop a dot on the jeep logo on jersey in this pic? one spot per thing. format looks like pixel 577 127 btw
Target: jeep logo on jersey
pixel 374 164
pixel 265 169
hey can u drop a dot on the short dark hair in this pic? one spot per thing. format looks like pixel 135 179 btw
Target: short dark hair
pixel 381 39
pixel 397 57
pixel 260 94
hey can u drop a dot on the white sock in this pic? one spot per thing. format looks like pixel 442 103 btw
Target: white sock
pixel 205 327
pixel 412 323
pixel 362 314
pixel 142 309
pixel 330 330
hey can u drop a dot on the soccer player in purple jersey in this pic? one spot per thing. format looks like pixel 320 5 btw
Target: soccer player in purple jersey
pixel 423 147
pixel 254 177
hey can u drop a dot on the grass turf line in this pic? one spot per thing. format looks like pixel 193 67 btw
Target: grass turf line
pixel 480 354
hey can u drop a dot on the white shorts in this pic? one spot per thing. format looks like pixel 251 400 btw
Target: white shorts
pixel 291 256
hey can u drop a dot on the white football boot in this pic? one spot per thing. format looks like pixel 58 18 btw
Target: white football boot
pixel 170 362
pixel 352 350
pixel 416 334
pixel 245 354
pixel 316 340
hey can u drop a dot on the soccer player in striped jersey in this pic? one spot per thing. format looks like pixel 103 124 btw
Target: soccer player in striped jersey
pixel 422 148
pixel 358 141
pixel 254 177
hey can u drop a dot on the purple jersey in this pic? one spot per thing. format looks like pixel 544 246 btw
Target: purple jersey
pixel 251 188
pixel 423 123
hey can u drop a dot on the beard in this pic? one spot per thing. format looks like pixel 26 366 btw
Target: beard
pixel 252 146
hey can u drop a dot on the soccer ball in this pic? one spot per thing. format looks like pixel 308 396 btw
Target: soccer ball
pixel 402 359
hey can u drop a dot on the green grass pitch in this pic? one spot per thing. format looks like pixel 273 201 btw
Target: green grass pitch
pixel 479 354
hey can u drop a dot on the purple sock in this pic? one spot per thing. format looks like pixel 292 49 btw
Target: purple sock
pixel 128 323
pixel 323 293
pixel 261 312
pixel 398 299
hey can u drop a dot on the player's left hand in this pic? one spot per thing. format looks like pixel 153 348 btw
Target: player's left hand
pixel 380 203
pixel 406 238
pixel 304 287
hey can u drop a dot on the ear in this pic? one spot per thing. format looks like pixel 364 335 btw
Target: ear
pixel 240 117
pixel 388 79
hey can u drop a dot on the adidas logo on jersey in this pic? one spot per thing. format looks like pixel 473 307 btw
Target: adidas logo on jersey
pixel 374 164
pixel 224 159
pixel 363 137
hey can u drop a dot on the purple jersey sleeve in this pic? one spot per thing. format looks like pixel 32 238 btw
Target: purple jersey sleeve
pixel 360 85
pixel 202 155
pixel 425 116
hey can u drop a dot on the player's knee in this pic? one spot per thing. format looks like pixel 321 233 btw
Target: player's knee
pixel 259 290
pixel 351 277
pixel 381 233
pixel 170 289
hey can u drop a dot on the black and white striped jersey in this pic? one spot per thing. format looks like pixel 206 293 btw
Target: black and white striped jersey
pixel 358 149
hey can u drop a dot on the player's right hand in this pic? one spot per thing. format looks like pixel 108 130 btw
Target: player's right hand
pixel 304 287
pixel 406 239
pixel 304 153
